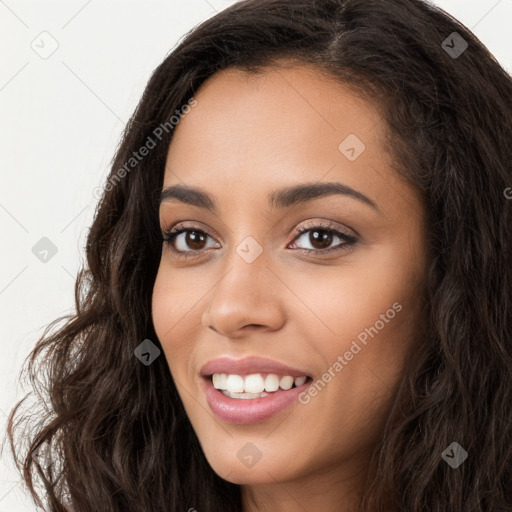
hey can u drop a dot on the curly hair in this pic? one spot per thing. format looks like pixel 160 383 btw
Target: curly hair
pixel 115 432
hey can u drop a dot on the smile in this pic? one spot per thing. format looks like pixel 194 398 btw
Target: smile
pixel 245 407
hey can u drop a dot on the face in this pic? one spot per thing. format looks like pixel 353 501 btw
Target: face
pixel 326 281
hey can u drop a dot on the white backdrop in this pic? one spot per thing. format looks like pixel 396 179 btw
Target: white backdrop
pixel 71 74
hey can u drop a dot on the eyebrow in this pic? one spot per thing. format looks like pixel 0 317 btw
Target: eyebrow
pixel 279 199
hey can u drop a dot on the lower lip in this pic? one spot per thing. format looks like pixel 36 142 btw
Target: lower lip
pixel 250 410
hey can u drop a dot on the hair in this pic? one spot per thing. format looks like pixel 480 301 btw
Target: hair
pixel 115 430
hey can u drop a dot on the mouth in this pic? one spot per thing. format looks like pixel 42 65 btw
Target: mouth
pixel 246 407
pixel 251 389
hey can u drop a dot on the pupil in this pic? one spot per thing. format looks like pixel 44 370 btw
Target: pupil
pixel 324 239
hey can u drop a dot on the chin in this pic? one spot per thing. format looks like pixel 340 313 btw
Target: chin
pixel 262 472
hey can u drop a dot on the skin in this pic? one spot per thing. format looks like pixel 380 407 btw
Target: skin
pixel 247 136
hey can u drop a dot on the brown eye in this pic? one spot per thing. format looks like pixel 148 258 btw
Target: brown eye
pixel 188 241
pixel 320 238
pixel 195 239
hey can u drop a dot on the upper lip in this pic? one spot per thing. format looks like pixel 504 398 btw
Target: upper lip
pixel 247 366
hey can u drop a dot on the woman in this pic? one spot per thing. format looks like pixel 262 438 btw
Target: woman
pixel 298 284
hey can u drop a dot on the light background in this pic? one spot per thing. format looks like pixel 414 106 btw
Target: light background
pixel 61 120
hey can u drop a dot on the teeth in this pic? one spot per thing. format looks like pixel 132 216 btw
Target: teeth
pixel 299 381
pixel 286 382
pixel 220 381
pixel 244 395
pixel 254 385
pixel 235 384
pixel 272 382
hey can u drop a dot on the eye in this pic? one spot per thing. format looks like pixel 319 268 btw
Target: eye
pixel 187 241
pixel 320 237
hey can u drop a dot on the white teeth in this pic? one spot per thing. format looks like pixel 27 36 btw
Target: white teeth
pixel 286 382
pixel 299 381
pixel 235 384
pixel 272 382
pixel 254 384
pixel 244 395
pixel 220 381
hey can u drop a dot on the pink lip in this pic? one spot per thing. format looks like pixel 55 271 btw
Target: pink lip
pixel 244 411
pixel 249 365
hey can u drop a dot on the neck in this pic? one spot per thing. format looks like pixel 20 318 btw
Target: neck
pixel 332 491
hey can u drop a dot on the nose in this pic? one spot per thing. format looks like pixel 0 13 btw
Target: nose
pixel 248 296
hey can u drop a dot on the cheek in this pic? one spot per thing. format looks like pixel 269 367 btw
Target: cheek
pixel 342 301
pixel 161 307
pixel 172 309
pixel 174 296
pixel 366 313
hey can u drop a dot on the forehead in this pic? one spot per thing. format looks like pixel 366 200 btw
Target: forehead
pixel 243 112
pixel 279 127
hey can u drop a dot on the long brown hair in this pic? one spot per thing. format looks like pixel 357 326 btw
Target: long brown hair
pixel 118 436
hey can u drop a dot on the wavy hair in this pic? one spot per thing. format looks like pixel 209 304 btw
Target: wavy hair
pixel 115 432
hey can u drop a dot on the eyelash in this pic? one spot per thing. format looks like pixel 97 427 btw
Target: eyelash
pixel 348 240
